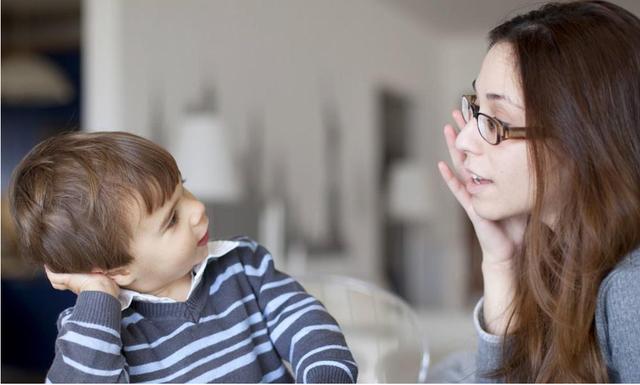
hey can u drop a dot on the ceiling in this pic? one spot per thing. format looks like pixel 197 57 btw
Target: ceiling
pixel 35 7
pixel 464 16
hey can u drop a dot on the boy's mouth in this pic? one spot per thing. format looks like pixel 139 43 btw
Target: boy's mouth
pixel 203 241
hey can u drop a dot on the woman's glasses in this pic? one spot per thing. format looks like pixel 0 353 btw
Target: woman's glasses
pixel 491 129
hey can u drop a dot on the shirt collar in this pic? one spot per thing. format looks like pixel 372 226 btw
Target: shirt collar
pixel 216 250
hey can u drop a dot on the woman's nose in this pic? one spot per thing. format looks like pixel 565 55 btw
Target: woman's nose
pixel 468 138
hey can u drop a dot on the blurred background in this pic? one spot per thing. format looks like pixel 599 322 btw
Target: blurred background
pixel 312 126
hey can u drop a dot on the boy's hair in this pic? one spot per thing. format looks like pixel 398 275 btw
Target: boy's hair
pixel 72 197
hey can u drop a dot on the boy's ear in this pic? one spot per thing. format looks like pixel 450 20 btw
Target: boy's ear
pixel 121 275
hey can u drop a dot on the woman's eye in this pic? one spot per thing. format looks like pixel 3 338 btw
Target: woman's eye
pixel 504 124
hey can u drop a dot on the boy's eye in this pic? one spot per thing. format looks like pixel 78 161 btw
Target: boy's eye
pixel 173 220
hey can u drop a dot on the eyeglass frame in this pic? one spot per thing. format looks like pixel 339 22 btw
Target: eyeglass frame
pixel 504 131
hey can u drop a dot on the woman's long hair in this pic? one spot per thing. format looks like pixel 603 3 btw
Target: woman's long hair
pixel 579 68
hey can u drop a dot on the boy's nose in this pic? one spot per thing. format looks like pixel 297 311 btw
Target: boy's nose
pixel 198 212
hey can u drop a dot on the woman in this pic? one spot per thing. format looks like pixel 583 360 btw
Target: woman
pixel 547 165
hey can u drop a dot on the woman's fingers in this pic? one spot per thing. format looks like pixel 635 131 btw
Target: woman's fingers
pixel 457 117
pixel 494 241
pixel 457 188
pixel 457 156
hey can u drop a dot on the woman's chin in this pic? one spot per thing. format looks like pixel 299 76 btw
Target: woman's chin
pixel 490 212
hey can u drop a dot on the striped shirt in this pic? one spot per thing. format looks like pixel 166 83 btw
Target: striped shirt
pixel 242 320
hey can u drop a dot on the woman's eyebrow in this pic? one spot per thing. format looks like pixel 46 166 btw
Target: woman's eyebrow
pixel 497 97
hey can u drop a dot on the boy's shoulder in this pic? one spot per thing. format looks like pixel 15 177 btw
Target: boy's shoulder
pixel 247 260
pixel 245 242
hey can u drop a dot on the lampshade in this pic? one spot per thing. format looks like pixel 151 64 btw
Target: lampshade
pixel 31 79
pixel 410 196
pixel 205 159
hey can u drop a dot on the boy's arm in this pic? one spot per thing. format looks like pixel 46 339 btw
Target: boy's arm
pixel 88 347
pixel 301 329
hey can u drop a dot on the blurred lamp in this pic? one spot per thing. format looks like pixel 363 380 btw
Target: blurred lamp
pixel 32 79
pixel 410 196
pixel 205 159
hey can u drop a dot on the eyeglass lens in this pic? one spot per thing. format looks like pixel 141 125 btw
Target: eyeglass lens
pixel 466 108
pixel 488 127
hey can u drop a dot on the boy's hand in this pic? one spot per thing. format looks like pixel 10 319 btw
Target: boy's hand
pixel 79 282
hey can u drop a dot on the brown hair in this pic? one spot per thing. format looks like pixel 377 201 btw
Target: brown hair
pixel 579 68
pixel 72 194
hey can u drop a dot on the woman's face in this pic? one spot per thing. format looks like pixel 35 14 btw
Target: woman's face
pixel 507 186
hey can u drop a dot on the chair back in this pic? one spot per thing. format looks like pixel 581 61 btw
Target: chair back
pixel 381 329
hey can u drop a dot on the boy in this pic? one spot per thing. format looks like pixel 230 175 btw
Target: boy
pixel 108 216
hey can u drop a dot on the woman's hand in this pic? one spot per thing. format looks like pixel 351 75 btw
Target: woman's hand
pixel 79 282
pixel 499 240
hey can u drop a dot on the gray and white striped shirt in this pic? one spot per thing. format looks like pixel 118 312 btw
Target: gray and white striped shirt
pixel 242 319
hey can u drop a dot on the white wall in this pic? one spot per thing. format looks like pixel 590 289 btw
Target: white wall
pixel 283 59
pixel 146 60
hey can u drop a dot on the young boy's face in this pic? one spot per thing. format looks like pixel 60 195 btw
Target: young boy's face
pixel 167 244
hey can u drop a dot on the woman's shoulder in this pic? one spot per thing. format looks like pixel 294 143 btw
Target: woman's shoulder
pixel 617 311
pixel 625 276
pixel 622 284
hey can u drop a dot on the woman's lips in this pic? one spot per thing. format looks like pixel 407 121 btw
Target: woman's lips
pixel 474 182
pixel 475 187
pixel 204 239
